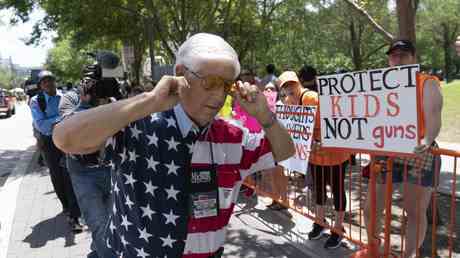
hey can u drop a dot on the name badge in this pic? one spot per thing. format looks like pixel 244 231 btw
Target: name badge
pixel 204 195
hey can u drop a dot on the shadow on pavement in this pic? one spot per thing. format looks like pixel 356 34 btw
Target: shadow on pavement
pixel 10 159
pixel 46 231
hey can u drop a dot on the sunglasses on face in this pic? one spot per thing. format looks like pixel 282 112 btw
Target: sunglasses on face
pixel 213 82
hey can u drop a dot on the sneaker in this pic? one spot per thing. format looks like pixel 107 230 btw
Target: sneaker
pixel 316 232
pixel 76 226
pixel 333 241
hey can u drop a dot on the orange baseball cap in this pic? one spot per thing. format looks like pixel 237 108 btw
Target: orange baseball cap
pixel 288 76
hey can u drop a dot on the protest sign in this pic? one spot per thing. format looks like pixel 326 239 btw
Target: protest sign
pixel 375 110
pixel 300 122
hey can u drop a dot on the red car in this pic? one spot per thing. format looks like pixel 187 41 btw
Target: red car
pixel 7 103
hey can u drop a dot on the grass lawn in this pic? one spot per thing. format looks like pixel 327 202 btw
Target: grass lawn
pixel 450 131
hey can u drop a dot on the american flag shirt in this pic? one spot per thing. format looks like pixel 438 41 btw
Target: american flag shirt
pixel 150 159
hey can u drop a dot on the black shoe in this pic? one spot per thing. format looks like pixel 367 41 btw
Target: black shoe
pixel 277 207
pixel 316 232
pixel 333 241
pixel 76 226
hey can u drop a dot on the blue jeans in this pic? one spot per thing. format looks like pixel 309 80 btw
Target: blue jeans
pixel 92 189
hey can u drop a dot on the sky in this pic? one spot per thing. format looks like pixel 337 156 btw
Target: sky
pixel 12 44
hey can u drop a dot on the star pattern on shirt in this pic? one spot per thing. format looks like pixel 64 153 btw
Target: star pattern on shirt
pixel 130 180
pixel 128 202
pixel 115 188
pixel 141 253
pixel 172 168
pixel 172 144
pixel 172 193
pixel 123 241
pixel 171 122
pixel 153 139
pixel 149 188
pixel 148 218
pixel 190 148
pixel 147 212
pixel 167 241
pixel 170 218
pixel 132 156
pixel 143 234
pixel 123 156
pixel 152 164
pixel 125 222
pixel 135 132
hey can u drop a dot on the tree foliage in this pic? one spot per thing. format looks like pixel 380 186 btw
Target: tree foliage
pixel 328 34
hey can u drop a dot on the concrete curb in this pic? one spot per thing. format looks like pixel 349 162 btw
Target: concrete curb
pixel 9 195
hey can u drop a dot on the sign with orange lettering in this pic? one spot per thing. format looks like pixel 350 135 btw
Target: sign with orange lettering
pixel 299 121
pixel 375 110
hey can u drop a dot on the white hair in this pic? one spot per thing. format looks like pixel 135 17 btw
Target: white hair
pixel 204 46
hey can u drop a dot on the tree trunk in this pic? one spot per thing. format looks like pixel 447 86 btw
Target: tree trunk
pixel 355 47
pixel 406 10
pixel 446 45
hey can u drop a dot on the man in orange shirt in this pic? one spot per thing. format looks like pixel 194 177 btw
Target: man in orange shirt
pixel 419 180
pixel 327 168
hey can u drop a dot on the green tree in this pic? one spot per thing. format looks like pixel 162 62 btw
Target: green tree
pixel 439 28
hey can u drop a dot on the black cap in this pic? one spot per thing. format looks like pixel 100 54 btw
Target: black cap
pixel 402 44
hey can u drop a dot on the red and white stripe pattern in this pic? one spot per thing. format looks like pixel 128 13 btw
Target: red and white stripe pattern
pixel 237 153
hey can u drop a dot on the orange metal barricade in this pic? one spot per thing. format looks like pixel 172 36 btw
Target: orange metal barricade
pixel 440 240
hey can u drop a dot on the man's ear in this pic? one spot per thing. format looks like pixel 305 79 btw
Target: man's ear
pixel 179 70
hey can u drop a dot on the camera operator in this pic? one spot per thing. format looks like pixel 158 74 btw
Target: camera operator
pixel 90 176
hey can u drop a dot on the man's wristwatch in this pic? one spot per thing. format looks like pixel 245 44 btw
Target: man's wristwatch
pixel 271 122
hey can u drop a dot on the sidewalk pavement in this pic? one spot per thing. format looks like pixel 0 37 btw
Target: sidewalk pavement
pixel 38 229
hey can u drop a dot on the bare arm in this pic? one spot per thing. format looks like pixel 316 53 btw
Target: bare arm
pixel 432 107
pixel 86 131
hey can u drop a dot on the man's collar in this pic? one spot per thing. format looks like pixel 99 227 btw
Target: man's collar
pixel 185 123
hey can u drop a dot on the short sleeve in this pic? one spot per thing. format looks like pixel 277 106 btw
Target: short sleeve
pixel 257 153
pixel 68 104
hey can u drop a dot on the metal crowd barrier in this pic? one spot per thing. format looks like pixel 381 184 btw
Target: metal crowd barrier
pixel 443 232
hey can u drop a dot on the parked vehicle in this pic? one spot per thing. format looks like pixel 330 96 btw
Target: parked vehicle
pixel 7 103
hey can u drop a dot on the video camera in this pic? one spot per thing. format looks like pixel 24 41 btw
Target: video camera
pixel 99 79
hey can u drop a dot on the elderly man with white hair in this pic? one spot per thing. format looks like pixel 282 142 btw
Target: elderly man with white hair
pixel 176 168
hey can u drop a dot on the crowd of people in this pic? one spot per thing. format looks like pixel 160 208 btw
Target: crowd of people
pixel 157 174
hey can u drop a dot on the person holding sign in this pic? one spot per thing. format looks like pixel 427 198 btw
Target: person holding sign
pixel 421 169
pixel 326 168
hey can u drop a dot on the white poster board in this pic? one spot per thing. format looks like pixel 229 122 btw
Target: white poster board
pixel 300 122
pixel 373 110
